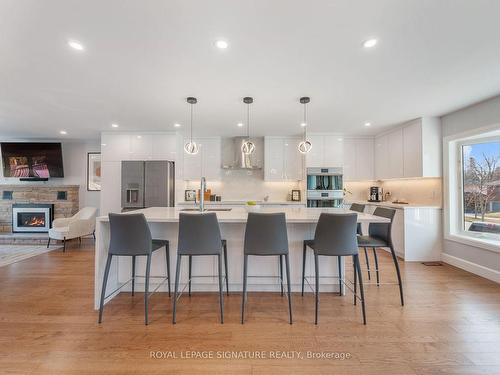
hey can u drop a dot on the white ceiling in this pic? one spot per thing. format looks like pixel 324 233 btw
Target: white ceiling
pixel 143 58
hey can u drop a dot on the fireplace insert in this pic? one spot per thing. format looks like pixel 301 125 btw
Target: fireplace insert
pixel 32 217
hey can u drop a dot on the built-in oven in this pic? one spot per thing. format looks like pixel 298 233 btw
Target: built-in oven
pixel 325 187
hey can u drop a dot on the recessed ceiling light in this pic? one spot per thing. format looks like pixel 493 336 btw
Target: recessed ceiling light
pixel 75 44
pixel 114 125
pixel 177 125
pixel 63 132
pixel 221 44
pixel 368 124
pixel 303 124
pixel 103 144
pixel 340 139
pixel 240 124
pixel 139 136
pixel 370 43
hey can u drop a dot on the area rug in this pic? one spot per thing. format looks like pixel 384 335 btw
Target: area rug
pixel 14 253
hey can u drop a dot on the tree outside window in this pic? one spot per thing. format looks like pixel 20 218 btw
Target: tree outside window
pixel 481 187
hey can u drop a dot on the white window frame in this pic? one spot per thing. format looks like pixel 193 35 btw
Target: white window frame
pixel 453 188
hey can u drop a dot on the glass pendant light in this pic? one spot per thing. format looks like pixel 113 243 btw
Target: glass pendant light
pixel 248 147
pixel 191 147
pixel 305 145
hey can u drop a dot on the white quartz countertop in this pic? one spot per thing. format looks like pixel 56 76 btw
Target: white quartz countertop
pixel 243 203
pixel 395 205
pixel 239 214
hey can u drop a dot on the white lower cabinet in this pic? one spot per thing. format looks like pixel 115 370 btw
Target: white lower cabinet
pixel 416 233
pixel 282 159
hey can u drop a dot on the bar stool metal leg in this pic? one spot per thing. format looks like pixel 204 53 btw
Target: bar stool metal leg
pixel 360 278
pixel 367 263
pixel 133 275
pixel 221 292
pixel 281 273
pixel 287 263
pixel 104 284
pixel 167 255
pixel 341 291
pixel 244 296
pixel 316 276
pixel 355 278
pixel 176 286
pixel 395 259
pixel 376 265
pixel 146 290
pixel 224 247
pixel 304 250
pixel 189 274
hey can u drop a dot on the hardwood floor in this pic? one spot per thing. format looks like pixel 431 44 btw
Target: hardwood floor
pixel 450 325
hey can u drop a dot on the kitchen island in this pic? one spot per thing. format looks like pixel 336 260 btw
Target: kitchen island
pixel 163 222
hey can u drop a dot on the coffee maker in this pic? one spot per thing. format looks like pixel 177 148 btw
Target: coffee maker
pixel 376 194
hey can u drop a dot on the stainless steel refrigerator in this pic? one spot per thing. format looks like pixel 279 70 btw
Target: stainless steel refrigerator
pixel 147 184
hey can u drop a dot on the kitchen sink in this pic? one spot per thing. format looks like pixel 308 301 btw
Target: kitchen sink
pixel 208 209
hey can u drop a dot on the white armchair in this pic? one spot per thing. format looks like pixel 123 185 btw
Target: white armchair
pixel 79 225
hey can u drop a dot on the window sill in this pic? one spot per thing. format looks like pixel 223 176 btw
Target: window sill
pixel 483 243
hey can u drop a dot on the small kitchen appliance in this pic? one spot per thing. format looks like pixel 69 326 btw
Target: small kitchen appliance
pixel 325 187
pixel 376 194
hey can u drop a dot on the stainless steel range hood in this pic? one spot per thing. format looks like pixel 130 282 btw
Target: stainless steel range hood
pixel 233 158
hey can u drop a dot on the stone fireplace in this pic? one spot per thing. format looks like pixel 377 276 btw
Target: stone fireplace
pixel 27 217
pixel 62 199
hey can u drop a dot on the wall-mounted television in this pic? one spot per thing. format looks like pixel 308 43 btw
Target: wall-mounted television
pixel 32 160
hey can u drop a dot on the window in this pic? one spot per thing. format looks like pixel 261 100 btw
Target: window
pixel 480 193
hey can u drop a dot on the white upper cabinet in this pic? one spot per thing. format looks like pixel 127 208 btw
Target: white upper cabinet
pixel 413 150
pixel 282 159
pixel 327 151
pixel 314 158
pixel 412 145
pixel 395 143
pixel 206 163
pixel 381 157
pixel 423 148
pixel 134 146
pixel 358 159
pixel 294 160
pixel 164 147
pixel 333 151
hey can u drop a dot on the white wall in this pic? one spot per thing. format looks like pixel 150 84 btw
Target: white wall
pixel 475 259
pixel 75 169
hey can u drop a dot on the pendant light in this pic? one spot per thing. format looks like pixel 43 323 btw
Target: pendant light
pixel 191 147
pixel 248 147
pixel 305 146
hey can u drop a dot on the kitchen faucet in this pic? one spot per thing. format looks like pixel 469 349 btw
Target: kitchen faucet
pixel 203 188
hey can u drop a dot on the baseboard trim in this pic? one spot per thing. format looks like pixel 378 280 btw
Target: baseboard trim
pixel 474 268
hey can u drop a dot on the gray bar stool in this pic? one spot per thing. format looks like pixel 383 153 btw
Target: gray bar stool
pixel 266 235
pixel 199 234
pixel 379 235
pixel 224 249
pixel 361 208
pixel 358 208
pixel 335 236
pixel 130 236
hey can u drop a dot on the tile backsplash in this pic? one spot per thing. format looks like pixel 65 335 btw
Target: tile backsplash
pixel 247 185
pixel 250 185
pixel 416 191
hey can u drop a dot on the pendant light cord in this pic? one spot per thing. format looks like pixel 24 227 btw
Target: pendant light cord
pixel 305 121
pixel 248 120
pixel 191 125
